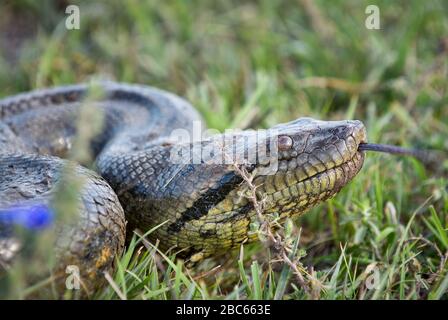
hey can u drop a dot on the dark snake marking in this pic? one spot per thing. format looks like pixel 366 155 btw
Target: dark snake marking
pixel 211 198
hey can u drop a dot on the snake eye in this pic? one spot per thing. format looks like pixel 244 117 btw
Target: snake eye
pixel 284 143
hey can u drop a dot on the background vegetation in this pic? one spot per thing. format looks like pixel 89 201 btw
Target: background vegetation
pixel 255 64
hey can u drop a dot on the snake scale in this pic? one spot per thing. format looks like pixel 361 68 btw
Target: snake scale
pixel 199 206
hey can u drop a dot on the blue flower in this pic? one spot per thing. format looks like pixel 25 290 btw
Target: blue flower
pixel 33 217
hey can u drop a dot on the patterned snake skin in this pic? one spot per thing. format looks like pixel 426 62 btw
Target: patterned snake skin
pixel 202 207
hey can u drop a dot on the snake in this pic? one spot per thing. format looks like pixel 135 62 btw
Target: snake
pixel 196 207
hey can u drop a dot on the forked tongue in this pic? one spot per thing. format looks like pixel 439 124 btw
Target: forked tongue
pixel 429 158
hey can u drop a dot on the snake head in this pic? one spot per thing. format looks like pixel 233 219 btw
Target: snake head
pixel 315 159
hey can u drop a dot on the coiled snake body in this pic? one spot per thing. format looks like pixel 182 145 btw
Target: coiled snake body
pixel 200 207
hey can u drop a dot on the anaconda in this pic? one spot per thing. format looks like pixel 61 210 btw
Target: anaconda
pixel 200 206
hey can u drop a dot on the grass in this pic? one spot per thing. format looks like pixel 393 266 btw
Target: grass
pixel 255 64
